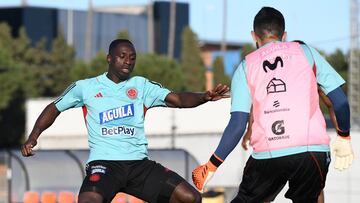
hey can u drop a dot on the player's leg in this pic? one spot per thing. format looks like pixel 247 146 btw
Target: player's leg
pixel 262 180
pixel 309 177
pixel 321 198
pixel 184 192
pixel 101 183
pixel 90 197
pixel 152 182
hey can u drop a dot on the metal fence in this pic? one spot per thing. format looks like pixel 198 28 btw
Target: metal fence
pixel 63 170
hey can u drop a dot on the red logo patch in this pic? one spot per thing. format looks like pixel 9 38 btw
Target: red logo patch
pixel 132 93
pixel 94 177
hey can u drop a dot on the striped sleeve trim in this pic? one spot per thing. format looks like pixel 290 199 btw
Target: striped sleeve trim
pixel 67 90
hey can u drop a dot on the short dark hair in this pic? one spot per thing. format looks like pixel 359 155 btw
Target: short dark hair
pixel 269 21
pixel 116 42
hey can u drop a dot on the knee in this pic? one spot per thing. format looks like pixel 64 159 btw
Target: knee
pixel 191 196
pixel 194 197
pixel 90 197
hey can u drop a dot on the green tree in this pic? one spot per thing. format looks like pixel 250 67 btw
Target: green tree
pixel 21 50
pixel 9 73
pixel 191 62
pixel 98 64
pixel 160 69
pixel 247 49
pixel 38 69
pixel 338 60
pixel 124 34
pixel 12 116
pixel 28 71
pixel 80 71
pixel 47 73
pixel 61 61
pixel 219 72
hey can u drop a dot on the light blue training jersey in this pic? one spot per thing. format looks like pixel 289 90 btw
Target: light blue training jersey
pixel 114 114
pixel 327 78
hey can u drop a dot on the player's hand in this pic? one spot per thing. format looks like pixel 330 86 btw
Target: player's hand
pixel 202 175
pixel 245 141
pixel 219 92
pixel 343 152
pixel 27 147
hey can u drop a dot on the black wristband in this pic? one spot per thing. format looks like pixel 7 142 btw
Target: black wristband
pixel 343 134
pixel 215 161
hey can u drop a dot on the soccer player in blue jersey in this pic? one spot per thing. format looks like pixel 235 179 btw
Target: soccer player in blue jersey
pixel 114 106
pixel 289 140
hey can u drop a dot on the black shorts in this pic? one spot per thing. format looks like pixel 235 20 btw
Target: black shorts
pixel 263 179
pixel 145 179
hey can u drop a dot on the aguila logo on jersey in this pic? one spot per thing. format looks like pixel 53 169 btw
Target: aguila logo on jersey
pixel 132 93
pixel 272 66
pixel 278 127
pixel 117 113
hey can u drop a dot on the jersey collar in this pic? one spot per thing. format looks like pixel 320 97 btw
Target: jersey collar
pixel 105 80
pixel 269 43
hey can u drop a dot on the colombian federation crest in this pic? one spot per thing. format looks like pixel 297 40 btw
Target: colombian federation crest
pixel 132 93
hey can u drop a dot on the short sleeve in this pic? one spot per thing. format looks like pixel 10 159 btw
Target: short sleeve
pixel 154 94
pixel 240 92
pixel 326 76
pixel 70 98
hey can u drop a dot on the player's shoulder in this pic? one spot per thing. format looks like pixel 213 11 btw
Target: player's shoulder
pixel 138 81
pixel 241 66
pixel 87 81
pixel 138 78
pixel 143 81
pixel 305 46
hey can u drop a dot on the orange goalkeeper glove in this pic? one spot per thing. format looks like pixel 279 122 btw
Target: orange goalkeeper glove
pixel 203 173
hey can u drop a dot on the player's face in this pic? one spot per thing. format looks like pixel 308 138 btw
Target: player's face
pixel 122 61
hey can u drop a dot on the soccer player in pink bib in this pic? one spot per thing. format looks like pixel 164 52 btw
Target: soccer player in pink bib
pixel 289 140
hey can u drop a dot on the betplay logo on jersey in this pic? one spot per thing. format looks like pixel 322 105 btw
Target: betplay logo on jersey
pixel 117 113
pixel 118 130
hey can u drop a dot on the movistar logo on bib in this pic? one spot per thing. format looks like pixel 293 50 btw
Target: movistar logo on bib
pixel 117 113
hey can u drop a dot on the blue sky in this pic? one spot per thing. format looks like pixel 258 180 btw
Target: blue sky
pixel 323 24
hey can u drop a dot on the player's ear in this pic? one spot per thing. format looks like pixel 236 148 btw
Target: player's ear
pixel 108 58
pixel 283 37
pixel 254 37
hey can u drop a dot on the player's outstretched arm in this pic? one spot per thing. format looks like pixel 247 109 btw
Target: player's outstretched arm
pixel 231 137
pixel 342 149
pixel 247 135
pixel 191 99
pixel 330 108
pixel 46 119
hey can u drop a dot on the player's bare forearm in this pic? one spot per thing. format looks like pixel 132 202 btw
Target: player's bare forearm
pixel 185 99
pixel 46 119
pixel 191 99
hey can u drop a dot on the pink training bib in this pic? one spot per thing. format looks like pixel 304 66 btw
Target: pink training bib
pixel 285 98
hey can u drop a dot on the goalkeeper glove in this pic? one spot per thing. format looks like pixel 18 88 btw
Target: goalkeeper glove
pixel 343 152
pixel 203 173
